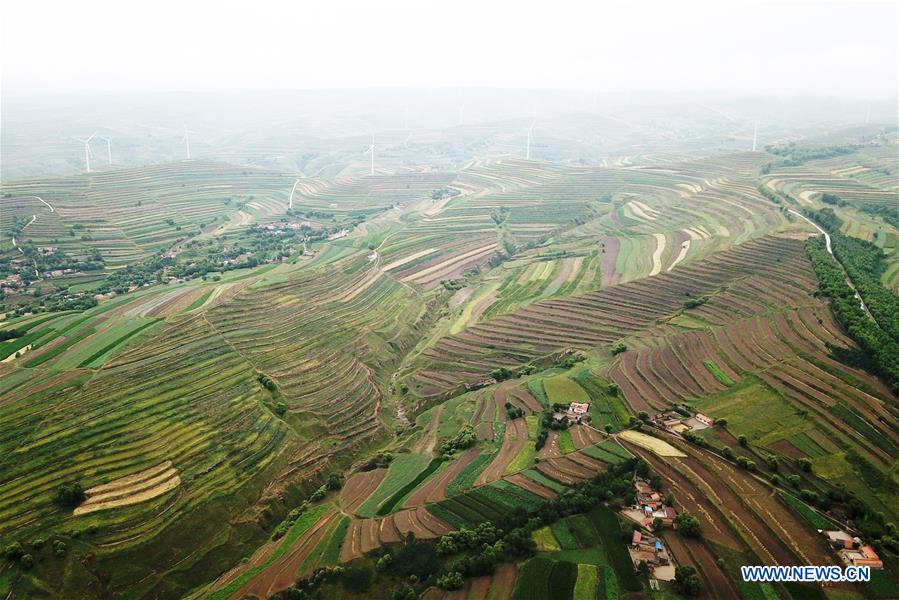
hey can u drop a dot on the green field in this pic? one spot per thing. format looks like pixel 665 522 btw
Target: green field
pixel 404 469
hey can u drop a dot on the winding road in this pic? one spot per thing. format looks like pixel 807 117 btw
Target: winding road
pixel 861 302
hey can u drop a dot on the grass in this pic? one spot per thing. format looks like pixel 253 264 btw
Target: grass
pixel 605 407
pixel 563 390
pixel 587 582
pixel 525 457
pixel 404 469
pixel 103 354
pixel 804 442
pixel 563 579
pixel 800 507
pixel 467 476
pixel 533 578
pixel 720 375
pixel 389 504
pixel 566 444
pixel 544 480
pixel 331 553
pixel 755 410
pixel 606 523
pixel 535 386
pixel 563 535
pixel 545 540
pixel 199 301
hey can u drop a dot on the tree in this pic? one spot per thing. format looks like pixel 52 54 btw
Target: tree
pixel 687 581
pixel 13 551
pixel 688 525
pixel 335 481
pixel 27 561
pixel 618 348
pixel 450 581
pixel 69 495
pixel 742 440
pixel 805 464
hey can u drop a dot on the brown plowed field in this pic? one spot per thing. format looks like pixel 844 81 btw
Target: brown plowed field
pixel 515 439
pixel 282 573
pixel 435 489
pixel 584 436
pixel 551 448
pixel 352 544
pixel 358 487
pixel 527 400
pixel 693 552
pixel 530 485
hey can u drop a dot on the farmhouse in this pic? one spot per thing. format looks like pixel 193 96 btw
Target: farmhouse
pixel 852 550
pixel 705 420
pixel 649 505
pixel 578 410
pixel 679 420
pixel 647 549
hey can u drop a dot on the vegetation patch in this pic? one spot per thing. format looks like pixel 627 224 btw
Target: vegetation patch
pixel 716 371
pixel 404 469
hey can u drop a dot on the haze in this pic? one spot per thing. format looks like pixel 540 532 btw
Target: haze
pixel 841 49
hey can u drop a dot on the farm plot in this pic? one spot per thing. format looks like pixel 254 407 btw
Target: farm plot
pixel 597 318
pixel 403 470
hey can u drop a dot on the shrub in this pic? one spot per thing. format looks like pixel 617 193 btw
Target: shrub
pixel 688 525
pixel 450 581
pixel 687 581
pixel 69 495
pixel 618 348
pixel 59 548
pixel 13 551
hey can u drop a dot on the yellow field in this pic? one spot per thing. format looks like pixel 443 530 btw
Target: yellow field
pixel 660 447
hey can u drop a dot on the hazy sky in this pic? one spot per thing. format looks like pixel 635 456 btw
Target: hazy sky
pixel 821 48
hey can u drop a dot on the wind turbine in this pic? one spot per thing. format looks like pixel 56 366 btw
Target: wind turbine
pixel 755 135
pixel 186 140
pixel 108 149
pixel 87 151
pixel 371 149
pixel 528 151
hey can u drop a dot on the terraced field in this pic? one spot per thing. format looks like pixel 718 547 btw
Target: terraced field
pixel 129 214
pixel 391 379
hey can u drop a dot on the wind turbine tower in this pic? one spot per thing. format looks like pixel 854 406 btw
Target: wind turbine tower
pixel 186 140
pixel 371 150
pixel 528 150
pixel 755 135
pixel 108 149
pixel 87 151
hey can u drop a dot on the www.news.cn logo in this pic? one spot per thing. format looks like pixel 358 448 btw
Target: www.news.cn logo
pixel 805 574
